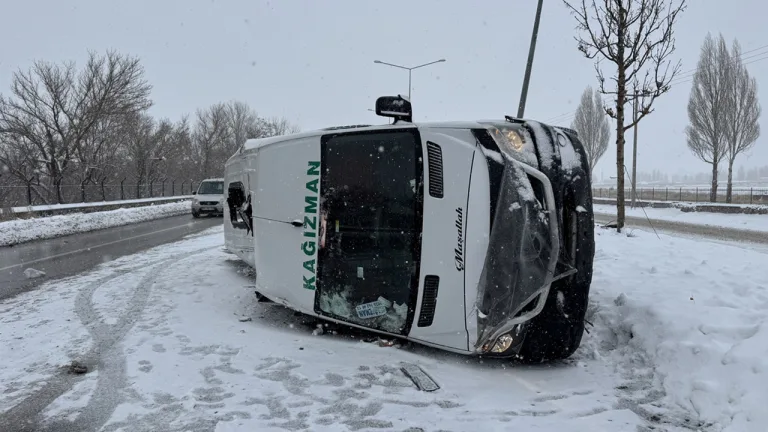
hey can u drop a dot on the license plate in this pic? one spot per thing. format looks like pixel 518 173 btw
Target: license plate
pixel 207 209
pixel 370 310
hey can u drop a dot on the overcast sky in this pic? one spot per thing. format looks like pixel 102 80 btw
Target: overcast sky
pixel 312 61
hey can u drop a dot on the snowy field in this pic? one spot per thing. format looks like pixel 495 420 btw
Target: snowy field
pixel 754 222
pixel 174 340
pixel 24 230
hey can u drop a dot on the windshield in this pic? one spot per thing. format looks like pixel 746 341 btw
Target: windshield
pixel 371 207
pixel 211 188
pixel 522 250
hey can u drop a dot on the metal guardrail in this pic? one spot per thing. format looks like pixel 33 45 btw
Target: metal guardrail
pixel 62 208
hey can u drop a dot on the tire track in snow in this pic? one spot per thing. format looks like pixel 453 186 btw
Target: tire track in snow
pixel 105 357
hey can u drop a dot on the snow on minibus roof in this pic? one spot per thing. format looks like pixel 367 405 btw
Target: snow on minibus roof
pixel 255 143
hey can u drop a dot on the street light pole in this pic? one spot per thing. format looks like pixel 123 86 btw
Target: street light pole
pixel 409 69
pixel 529 65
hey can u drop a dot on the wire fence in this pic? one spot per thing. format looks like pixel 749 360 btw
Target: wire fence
pixel 688 194
pixel 34 194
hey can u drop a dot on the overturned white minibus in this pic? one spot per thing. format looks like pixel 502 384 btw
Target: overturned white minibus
pixel 475 237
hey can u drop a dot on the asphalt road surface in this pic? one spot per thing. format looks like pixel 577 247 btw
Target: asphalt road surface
pixel 74 254
pixel 713 232
pixel 69 255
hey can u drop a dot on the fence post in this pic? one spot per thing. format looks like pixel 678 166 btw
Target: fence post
pixel 82 191
pixel 151 182
pixel 653 193
pixel 103 194
pixel 666 194
pixel 697 194
pixel 164 186
pixel 680 198
pixel 750 195
pixel 29 193
pixel 173 187
pixel 122 191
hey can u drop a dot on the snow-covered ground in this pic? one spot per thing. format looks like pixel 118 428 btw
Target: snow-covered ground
pixel 23 230
pixel 175 341
pixel 754 222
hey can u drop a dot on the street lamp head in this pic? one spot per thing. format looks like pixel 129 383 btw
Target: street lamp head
pixel 376 61
pixel 441 60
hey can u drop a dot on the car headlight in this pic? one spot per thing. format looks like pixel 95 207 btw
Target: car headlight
pixel 507 138
pixel 504 341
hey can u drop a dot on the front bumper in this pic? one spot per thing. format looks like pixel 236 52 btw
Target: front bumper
pixel 203 208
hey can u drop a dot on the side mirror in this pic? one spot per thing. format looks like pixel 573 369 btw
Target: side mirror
pixel 396 107
pixel 194 192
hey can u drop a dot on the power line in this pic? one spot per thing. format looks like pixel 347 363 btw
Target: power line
pixel 677 80
pixel 765 54
pixel 683 78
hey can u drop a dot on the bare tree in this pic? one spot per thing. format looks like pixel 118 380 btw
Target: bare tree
pixel 212 131
pixel 276 126
pixel 637 38
pixel 183 164
pixel 707 106
pixel 53 107
pixel 136 135
pixel 243 124
pixel 592 125
pixel 20 163
pixel 742 112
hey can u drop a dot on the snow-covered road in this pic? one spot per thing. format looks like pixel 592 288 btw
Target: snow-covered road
pixel 174 340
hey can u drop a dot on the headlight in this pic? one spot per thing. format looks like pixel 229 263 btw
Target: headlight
pixel 506 138
pixel 504 341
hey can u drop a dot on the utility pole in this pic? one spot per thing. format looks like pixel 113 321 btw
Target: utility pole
pixel 634 152
pixel 529 65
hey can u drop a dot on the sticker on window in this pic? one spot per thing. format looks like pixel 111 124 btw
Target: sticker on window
pixel 371 310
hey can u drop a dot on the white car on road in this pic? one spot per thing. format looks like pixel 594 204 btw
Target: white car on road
pixel 209 198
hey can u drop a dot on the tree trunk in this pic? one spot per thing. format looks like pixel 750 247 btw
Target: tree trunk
pixel 57 186
pixel 713 189
pixel 57 178
pixel 621 96
pixel 729 187
pixel 620 212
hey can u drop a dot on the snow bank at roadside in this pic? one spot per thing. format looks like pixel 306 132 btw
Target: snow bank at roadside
pixel 24 230
pixel 754 222
pixel 689 317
